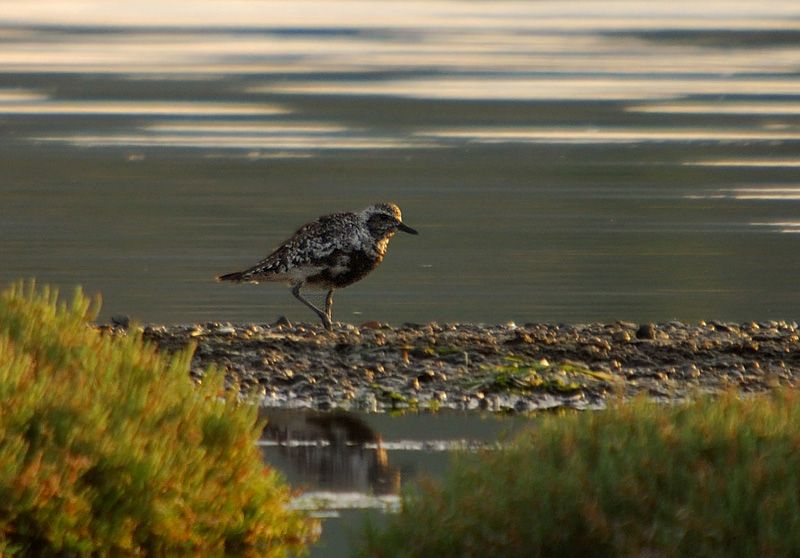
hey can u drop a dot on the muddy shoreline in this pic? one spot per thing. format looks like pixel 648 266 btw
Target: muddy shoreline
pixel 500 368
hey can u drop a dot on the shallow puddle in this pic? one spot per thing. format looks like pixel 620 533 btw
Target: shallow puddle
pixel 352 466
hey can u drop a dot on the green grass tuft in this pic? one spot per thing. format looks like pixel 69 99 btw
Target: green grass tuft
pixel 717 477
pixel 108 448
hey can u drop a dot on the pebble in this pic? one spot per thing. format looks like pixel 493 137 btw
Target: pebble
pixel 496 368
pixel 621 336
pixel 520 338
pixel 646 331
pixel 197 331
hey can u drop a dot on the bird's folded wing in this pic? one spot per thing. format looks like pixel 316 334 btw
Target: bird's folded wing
pixel 312 244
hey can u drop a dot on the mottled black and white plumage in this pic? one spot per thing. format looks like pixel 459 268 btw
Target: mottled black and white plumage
pixel 330 252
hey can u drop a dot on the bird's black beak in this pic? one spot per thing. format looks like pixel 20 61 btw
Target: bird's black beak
pixel 405 228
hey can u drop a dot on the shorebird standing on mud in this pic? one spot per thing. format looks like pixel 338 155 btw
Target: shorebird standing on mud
pixel 331 252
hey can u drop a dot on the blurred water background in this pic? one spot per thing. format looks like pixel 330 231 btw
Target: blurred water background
pixel 564 161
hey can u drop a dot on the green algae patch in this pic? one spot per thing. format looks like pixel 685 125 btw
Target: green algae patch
pixel 519 375
pixel 108 448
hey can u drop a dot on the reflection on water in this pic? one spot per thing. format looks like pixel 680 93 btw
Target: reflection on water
pixel 45 106
pixel 338 452
pixel 346 464
pixel 8 96
pixel 219 141
pixel 267 139
pixel 610 135
pixel 767 163
pixel 790 227
pixel 332 451
pixel 772 107
pixel 592 88
pixel 564 161
pixel 791 193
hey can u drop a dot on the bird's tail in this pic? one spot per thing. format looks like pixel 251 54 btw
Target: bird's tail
pixel 237 276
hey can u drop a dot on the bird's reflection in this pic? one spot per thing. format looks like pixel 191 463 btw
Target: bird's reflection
pixel 332 450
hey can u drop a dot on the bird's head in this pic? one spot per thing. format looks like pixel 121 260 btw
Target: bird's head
pixel 384 219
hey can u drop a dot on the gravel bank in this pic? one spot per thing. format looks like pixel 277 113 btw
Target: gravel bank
pixel 503 368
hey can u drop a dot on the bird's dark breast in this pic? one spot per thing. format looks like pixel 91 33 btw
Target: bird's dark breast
pixel 339 274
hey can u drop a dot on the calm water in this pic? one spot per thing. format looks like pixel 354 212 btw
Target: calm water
pixel 563 161
pixel 354 465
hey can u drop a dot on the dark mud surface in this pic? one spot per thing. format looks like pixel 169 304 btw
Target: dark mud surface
pixel 503 368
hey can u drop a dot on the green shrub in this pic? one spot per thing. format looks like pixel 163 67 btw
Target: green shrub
pixel 718 477
pixel 107 447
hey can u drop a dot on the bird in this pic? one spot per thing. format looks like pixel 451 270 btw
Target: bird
pixel 330 252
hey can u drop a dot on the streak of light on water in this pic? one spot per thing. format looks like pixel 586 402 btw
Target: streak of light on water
pixel 397 445
pixel 751 163
pixel 327 504
pixel 135 108
pixel 599 135
pixel 592 88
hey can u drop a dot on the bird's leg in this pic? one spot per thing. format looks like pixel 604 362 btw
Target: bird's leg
pixel 326 321
pixel 329 305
